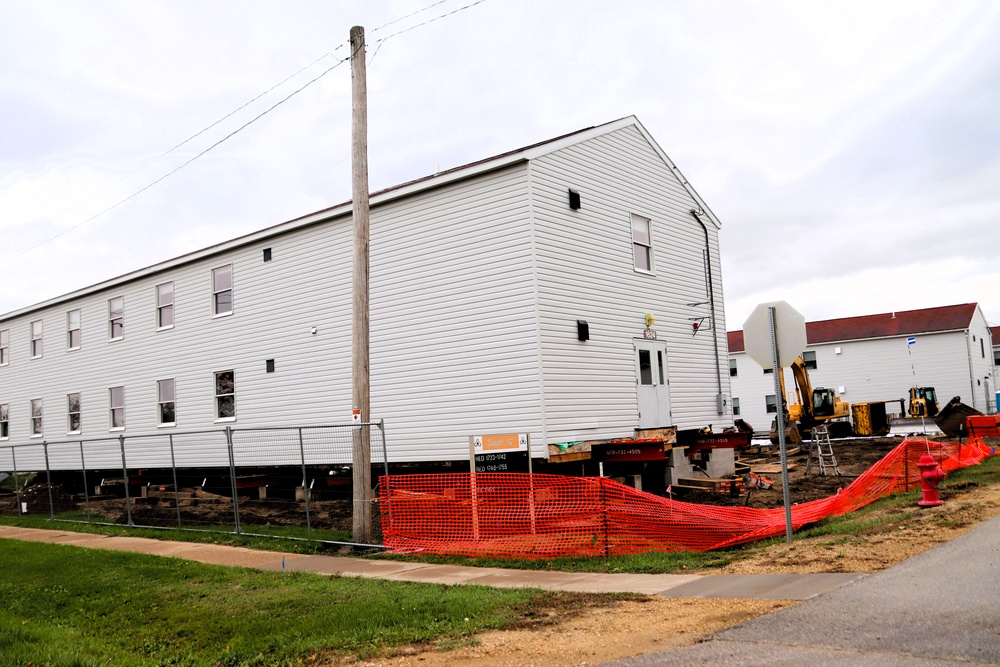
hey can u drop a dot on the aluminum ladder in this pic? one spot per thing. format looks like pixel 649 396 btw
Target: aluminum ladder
pixel 821 449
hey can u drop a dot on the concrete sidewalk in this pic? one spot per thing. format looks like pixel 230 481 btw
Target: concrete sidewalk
pixel 764 586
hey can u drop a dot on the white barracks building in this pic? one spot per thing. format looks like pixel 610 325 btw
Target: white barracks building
pixel 509 295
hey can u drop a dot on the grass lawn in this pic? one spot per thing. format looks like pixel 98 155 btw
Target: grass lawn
pixel 64 605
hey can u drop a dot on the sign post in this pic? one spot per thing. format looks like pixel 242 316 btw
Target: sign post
pixel 773 336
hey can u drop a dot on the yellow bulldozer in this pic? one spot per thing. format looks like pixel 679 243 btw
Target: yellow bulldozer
pixel 813 406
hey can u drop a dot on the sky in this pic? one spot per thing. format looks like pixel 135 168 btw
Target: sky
pixel 850 149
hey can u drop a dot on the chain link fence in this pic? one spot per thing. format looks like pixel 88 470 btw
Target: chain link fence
pixel 289 482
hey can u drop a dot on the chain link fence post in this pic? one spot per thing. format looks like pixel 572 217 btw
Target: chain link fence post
pixel 48 479
pixel 128 498
pixel 306 491
pixel 232 479
pixel 86 492
pixel 173 469
pixel 17 489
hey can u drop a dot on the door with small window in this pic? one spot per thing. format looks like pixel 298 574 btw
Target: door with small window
pixel 652 390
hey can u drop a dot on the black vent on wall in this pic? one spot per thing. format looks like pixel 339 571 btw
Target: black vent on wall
pixel 269 365
pixel 582 330
pixel 574 199
pixel 267 254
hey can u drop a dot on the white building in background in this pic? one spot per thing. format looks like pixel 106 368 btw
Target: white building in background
pixel 509 295
pixel 879 357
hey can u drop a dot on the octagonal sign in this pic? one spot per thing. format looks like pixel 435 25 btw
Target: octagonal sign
pixel 789 330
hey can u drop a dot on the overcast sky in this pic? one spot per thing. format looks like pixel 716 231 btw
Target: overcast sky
pixel 850 149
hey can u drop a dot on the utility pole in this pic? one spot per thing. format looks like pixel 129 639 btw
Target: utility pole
pixel 360 389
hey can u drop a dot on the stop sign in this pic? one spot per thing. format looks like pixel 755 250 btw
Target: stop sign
pixel 789 330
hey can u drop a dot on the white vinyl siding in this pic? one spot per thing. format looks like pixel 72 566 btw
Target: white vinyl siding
pixel 585 269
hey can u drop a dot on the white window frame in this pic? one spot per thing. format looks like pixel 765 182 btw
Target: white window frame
pixel 809 359
pixel 217 291
pixel 735 402
pixel 164 307
pixel 69 413
pixel 4 421
pixel 113 406
pixel 37 339
pixel 220 396
pixel 4 347
pixel 70 330
pixel 160 402
pixel 112 319
pixel 36 405
pixel 642 243
pixel 770 401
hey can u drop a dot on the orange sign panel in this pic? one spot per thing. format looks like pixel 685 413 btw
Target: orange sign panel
pixel 503 441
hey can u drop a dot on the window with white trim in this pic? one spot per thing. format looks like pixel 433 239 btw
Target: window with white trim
pixel 732 368
pixel 116 318
pixel 4 347
pixel 736 407
pixel 37 410
pixel 642 243
pixel 116 408
pixel 165 306
pixel 4 421
pixel 73 335
pixel 36 339
pixel 74 420
pixel 770 404
pixel 225 395
pixel 165 402
pixel 222 290
pixel 809 357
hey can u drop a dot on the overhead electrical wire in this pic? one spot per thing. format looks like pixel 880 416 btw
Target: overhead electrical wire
pixel 173 171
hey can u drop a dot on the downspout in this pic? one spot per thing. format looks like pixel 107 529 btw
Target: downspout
pixel 711 304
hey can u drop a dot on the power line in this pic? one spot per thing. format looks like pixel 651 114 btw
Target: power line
pixel 186 163
pixel 383 40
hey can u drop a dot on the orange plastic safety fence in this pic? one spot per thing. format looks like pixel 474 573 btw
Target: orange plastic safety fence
pixel 520 515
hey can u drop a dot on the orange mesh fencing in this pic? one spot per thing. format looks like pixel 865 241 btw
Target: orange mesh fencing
pixel 520 515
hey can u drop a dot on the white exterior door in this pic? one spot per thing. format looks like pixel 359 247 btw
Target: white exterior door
pixel 651 383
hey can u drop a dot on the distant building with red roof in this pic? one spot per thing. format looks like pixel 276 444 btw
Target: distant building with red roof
pixel 878 357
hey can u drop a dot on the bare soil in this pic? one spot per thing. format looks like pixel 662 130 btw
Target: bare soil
pixel 576 634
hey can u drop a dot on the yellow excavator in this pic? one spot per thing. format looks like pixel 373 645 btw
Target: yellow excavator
pixel 923 402
pixel 813 406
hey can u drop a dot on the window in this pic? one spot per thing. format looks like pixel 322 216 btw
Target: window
pixel 116 318
pixel 73 330
pixel 768 370
pixel 225 395
pixel 982 348
pixel 222 289
pixel 642 243
pixel 36 417
pixel 165 305
pixel 645 368
pixel 36 339
pixel 770 404
pixel 732 368
pixel 4 347
pixel 267 254
pixel 4 421
pixel 810 359
pixel 73 412
pixel 165 399
pixel 116 404
pixel 736 407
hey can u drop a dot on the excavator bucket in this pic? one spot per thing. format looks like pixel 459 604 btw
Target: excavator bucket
pixel 951 418
pixel 792 434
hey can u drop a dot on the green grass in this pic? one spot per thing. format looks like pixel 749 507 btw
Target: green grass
pixel 71 606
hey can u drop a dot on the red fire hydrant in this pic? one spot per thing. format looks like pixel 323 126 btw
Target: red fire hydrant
pixel 930 475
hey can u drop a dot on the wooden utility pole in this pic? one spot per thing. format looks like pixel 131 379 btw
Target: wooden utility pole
pixel 360 391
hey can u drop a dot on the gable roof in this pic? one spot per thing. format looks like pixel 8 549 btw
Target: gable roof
pixel 385 195
pixel 883 325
